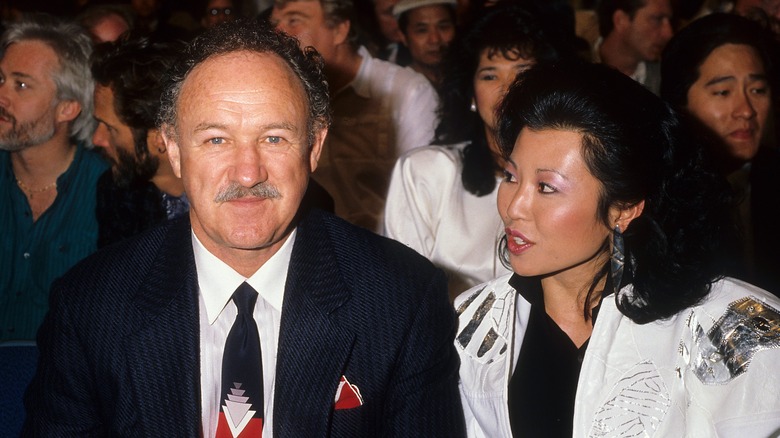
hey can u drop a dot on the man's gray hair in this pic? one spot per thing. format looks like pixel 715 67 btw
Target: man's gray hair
pixel 73 48
pixel 254 36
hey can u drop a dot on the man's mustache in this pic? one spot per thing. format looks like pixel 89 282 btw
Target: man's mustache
pixel 234 190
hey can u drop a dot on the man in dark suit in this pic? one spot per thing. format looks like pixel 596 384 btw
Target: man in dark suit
pixel 355 331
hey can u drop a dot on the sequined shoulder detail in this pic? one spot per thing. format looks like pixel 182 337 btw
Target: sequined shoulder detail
pixel 725 352
pixel 484 323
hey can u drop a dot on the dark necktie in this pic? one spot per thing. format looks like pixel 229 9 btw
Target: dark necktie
pixel 241 407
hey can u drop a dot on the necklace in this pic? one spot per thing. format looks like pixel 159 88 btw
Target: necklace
pixel 30 191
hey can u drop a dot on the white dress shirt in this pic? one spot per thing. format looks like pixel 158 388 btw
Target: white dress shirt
pixel 217 281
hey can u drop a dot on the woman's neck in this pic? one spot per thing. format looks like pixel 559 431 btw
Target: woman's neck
pixel 566 297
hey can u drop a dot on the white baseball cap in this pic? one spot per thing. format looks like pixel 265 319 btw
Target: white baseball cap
pixel 405 5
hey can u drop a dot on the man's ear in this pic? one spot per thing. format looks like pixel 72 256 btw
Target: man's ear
pixel 620 20
pixel 625 215
pixel 155 143
pixel 316 149
pixel 172 147
pixel 341 32
pixel 67 111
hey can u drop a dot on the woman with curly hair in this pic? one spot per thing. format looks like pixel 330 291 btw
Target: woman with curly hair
pixel 616 320
pixel 441 200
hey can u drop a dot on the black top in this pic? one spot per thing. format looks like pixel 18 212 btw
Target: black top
pixel 544 383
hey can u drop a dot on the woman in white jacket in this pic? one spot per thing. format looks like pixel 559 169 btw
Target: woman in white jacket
pixel 441 200
pixel 616 320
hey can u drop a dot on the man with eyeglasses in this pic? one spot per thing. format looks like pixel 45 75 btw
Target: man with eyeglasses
pixel 218 11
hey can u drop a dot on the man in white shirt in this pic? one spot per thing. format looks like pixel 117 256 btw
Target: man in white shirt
pixel 355 331
pixel 633 35
pixel 380 110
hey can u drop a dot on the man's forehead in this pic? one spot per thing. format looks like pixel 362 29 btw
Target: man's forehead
pixel 656 7
pixel 259 74
pixel 283 5
pixel 429 12
pixel 33 58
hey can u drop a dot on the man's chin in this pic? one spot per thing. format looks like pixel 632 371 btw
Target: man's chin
pixel 13 146
pixel 124 179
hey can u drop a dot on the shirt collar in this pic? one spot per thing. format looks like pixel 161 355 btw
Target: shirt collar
pixel 217 281
pixel 66 178
pixel 640 74
pixel 596 50
pixel 360 84
pixel 530 288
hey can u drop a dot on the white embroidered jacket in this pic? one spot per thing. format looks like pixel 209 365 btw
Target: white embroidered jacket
pixel 711 370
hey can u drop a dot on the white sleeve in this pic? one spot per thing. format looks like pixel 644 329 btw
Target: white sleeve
pixel 414 199
pixel 415 113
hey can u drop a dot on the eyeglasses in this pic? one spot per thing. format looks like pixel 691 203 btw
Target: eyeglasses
pixel 217 11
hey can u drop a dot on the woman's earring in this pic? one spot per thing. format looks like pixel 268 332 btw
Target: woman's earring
pixel 618 258
pixel 473 106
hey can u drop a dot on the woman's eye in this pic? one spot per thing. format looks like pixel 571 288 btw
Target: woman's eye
pixel 508 177
pixel 546 188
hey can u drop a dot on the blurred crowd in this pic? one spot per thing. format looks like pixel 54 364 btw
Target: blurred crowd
pixel 430 125
pixel 403 75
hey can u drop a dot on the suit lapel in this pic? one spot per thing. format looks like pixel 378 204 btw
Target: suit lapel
pixel 163 354
pixel 313 347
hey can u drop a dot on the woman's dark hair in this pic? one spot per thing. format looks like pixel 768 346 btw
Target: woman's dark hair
pixel 640 150
pixel 507 30
pixel 691 46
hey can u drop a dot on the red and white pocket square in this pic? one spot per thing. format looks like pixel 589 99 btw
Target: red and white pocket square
pixel 347 395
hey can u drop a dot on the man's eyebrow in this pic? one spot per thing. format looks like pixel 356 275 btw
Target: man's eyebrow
pixel 20 75
pixel 294 14
pixel 719 79
pixel 753 77
pixel 280 125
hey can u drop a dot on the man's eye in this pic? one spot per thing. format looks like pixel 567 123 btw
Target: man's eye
pixel 22 85
pixel 760 90
pixel 217 140
pixel 274 139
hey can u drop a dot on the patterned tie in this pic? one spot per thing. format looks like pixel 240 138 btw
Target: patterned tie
pixel 241 409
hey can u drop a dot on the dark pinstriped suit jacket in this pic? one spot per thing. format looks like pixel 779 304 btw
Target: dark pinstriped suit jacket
pixel 120 349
